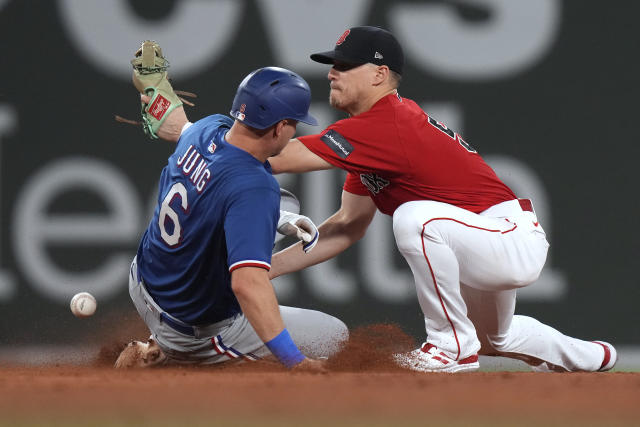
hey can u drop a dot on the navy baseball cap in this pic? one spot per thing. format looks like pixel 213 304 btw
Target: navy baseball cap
pixel 360 45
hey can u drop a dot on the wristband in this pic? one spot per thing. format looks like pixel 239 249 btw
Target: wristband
pixel 283 347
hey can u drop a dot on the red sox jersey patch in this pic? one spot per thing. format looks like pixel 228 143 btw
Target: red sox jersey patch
pixel 337 143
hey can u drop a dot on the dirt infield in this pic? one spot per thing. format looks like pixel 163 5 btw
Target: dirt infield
pixel 362 388
pixel 65 395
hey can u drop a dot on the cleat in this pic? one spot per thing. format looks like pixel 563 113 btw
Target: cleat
pixel 429 359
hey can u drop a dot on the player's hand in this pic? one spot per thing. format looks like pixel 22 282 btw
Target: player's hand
pixel 299 226
pixel 317 366
pixel 171 127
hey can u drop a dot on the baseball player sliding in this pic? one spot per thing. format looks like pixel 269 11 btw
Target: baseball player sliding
pixel 468 239
pixel 200 277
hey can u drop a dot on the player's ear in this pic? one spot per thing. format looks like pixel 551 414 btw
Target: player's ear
pixel 278 128
pixel 382 74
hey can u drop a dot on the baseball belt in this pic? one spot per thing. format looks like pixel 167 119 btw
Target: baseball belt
pixel 178 325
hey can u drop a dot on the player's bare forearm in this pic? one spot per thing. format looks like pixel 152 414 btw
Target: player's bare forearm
pixel 293 258
pixel 297 158
pixel 337 233
pixel 257 299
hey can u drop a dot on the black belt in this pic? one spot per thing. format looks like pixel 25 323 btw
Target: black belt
pixel 196 331
pixel 178 325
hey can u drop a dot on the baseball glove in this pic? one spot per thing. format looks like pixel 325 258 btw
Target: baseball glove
pixel 151 79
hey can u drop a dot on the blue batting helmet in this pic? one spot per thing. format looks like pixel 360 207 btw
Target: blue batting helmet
pixel 271 94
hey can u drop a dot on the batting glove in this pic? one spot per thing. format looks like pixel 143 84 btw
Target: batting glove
pixel 299 226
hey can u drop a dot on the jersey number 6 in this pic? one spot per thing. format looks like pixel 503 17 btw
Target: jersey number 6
pixel 166 213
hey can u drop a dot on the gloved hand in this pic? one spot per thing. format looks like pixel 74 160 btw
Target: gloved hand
pixel 299 226
pixel 161 110
pixel 151 79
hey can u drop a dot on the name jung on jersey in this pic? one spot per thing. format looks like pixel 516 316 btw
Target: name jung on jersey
pixel 198 175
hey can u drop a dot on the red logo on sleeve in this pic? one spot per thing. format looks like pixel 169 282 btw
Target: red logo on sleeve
pixel 159 107
pixel 343 37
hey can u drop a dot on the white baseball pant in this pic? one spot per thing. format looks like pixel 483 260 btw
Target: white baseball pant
pixel 467 268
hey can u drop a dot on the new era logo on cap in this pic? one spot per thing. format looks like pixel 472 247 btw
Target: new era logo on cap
pixel 378 55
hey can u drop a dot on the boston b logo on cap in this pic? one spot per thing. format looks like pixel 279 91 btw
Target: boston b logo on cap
pixel 366 44
pixel 343 37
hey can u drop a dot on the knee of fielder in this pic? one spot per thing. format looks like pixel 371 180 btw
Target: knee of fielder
pixel 525 276
pixel 498 343
pixel 521 330
pixel 502 342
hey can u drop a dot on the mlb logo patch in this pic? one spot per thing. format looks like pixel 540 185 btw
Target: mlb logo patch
pixel 240 113
pixel 159 107
pixel 212 147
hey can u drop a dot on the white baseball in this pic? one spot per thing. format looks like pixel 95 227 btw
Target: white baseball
pixel 83 304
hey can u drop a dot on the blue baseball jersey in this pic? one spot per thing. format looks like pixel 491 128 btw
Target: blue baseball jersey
pixel 218 208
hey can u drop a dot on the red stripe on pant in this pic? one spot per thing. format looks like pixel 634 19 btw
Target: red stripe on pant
pixel 433 277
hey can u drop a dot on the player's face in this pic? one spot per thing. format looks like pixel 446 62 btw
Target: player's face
pixel 349 85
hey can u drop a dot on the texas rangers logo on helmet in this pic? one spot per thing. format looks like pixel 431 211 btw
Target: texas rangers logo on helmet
pixel 343 37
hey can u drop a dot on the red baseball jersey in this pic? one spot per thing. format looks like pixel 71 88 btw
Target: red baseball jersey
pixel 396 153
